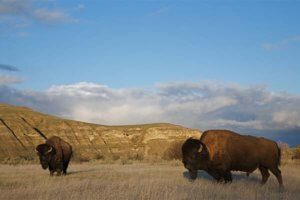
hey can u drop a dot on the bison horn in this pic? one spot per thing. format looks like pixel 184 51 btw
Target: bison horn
pixel 200 148
pixel 37 151
pixel 49 150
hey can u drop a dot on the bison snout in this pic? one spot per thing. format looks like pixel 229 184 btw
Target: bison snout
pixel 44 166
pixel 193 174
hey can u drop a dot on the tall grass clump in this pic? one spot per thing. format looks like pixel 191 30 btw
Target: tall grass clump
pixel 174 151
pixel 93 180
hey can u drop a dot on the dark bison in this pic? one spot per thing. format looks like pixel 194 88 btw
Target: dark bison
pixel 55 154
pixel 220 151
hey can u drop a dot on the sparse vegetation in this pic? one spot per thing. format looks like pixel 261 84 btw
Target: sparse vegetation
pixel 166 180
pixel 153 177
pixel 174 151
pixel 130 175
pixel 296 153
pixel 20 160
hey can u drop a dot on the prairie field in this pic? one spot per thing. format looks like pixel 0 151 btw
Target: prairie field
pixel 137 180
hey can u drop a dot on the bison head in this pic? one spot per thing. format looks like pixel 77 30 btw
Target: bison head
pixel 194 156
pixel 45 153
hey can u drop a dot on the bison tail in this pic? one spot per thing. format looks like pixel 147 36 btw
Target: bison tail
pixel 44 136
pixel 279 156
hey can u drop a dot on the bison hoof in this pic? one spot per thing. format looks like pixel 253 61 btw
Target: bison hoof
pixel 281 188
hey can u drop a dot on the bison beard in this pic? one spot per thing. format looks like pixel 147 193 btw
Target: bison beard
pixel 55 154
pixel 220 151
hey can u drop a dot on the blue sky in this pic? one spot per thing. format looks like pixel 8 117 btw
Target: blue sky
pixel 158 58
pixel 139 43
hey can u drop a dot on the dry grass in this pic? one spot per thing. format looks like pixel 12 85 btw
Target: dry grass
pixel 166 180
pixel 174 151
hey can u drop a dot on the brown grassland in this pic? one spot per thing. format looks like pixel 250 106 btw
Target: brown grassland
pixel 139 180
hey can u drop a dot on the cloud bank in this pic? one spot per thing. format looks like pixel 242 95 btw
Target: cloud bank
pixel 20 14
pixel 8 67
pixel 9 80
pixel 203 105
pixel 281 44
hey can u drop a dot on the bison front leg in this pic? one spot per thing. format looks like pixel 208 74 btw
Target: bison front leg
pixel 59 169
pixel 52 172
pixel 65 167
pixel 227 176
pixel 216 175
pixel 58 172
pixel 193 174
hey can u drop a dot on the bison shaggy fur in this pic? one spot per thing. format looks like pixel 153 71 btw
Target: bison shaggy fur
pixel 219 152
pixel 55 154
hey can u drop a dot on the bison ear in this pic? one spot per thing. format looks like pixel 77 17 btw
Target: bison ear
pixel 37 149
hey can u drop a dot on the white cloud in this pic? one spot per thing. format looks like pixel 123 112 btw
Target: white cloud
pixel 14 6
pixel 203 105
pixel 79 7
pixel 8 67
pixel 82 89
pixel 270 46
pixel 8 80
pixel 51 16
pixel 287 118
pixel 160 11
pixel 22 34
pixel 281 44
pixel 21 13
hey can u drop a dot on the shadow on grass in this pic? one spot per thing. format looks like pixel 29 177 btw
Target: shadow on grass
pixel 235 176
pixel 81 171
pixel 201 175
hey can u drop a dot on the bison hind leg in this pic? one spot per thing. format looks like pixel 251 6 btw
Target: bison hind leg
pixel 52 172
pixel 277 173
pixel 58 171
pixel 264 173
pixel 65 167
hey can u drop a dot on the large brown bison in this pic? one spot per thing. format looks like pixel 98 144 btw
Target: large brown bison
pixel 55 154
pixel 220 151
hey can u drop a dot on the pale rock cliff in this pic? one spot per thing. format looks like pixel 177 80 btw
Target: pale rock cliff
pixel 21 129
